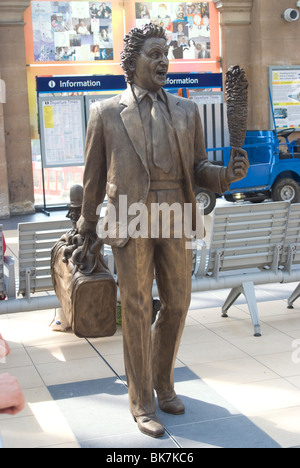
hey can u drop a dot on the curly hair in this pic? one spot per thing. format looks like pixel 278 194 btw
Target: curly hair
pixel 133 43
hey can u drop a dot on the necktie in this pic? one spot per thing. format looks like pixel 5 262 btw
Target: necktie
pixel 162 157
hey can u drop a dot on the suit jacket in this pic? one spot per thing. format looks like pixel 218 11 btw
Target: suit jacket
pixel 116 160
pixel 205 55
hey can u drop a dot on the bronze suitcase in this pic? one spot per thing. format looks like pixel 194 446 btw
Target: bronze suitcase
pixel 86 290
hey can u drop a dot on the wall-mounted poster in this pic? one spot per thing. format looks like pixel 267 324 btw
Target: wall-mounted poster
pixel 72 31
pixel 62 127
pixel 187 25
pixel 285 91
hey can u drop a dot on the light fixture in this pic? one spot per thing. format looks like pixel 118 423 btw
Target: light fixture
pixel 291 14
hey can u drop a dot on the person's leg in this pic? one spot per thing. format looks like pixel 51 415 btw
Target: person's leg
pixel 173 267
pixel 135 268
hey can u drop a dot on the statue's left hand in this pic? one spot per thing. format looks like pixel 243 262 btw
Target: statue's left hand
pixel 85 227
pixel 238 165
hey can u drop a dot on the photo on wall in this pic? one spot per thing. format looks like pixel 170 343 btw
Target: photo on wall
pixel 72 31
pixel 187 26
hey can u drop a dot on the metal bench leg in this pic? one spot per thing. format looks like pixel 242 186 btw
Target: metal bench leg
pixel 231 298
pixel 27 283
pixel 295 294
pixel 248 290
pixel 249 293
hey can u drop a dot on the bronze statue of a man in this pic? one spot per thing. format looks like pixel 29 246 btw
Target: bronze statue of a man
pixel 128 154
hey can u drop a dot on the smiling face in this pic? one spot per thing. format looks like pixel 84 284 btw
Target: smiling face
pixel 151 67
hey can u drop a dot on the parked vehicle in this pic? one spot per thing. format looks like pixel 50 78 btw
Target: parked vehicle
pixel 274 171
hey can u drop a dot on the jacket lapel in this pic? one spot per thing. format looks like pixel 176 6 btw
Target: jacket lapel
pixel 132 121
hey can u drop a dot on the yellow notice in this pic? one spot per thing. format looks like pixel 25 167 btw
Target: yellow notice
pixel 48 117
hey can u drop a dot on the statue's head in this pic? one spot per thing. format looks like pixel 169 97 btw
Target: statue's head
pixel 145 57
pixel 76 197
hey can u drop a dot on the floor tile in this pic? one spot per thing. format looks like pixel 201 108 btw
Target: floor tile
pixel 197 333
pixel 233 372
pixel 135 440
pixel 198 353
pixel 271 341
pixel 207 315
pixel 285 323
pixel 108 346
pixel 237 432
pixel 282 363
pixel 269 308
pixel 282 425
pixel 32 396
pixel 267 395
pixel 73 371
pixel 231 330
pixel 116 362
pixel 33 328
pixel 27 376
pixel 46 427
pixel 18 357
pixel 294 380
pixel 60 352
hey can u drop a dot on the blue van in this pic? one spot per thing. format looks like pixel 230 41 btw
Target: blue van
pixel 274 171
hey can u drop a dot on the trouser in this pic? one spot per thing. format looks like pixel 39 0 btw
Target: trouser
pixel 150 356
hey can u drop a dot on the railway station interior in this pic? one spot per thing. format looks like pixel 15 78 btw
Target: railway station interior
pixel 239 390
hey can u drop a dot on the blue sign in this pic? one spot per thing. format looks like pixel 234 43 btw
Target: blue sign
pixel 71 84
pixel 194 80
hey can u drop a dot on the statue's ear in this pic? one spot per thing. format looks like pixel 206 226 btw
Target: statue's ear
pixel 131 65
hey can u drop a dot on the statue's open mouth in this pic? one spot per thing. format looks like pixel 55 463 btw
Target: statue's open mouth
pixel 161 73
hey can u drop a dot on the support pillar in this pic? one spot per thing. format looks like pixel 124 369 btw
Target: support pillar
pixel 235 21
pixel 4 197
pixel 14 121
pixel 235 24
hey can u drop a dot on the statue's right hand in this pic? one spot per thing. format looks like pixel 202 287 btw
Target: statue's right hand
pixel 85 227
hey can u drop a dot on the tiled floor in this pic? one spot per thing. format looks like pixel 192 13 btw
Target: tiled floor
pixel 239 391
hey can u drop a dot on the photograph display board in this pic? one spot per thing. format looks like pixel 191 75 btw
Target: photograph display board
pixel 187 26
pixel 285 92
pixel 85 31
pixel 62 131
pixel 72 31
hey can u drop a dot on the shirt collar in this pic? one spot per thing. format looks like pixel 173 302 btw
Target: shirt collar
pixel 140 93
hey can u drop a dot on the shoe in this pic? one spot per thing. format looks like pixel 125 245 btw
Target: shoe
pixel 172 406
pixel 150 425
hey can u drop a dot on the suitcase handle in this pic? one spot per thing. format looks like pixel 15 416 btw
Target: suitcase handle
pixel 87 257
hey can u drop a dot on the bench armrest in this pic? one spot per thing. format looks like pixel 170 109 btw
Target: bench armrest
pixel 9 276
pixel 200 262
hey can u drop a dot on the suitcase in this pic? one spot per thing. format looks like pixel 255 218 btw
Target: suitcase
pixel 85 288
